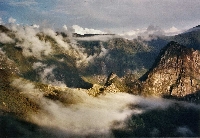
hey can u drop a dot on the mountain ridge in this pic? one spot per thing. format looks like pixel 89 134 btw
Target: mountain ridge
pixel 174 73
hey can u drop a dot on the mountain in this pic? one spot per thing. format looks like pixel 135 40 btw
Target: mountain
pixel 189 38
pixel 46 61
pixel 118 55
pixel 54 84
pixel 174 73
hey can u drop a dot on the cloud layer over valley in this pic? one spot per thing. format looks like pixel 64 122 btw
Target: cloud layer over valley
pixel 75 113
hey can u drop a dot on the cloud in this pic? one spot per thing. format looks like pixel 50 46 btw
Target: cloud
pixel 90 116
pixel 11 20
pixel 172 31
pixel 46 74
pixel 125 14
pixel 23 3
pixel 27 39
pixel 5 39
pixel 148 33
pixel 103 53
pixel 118 16
pixel 57 38
pixel 82 31
pixel 132 34
pixel 75 113
pixel 29 42
pixel 65 27
pixel 151 32
pixel 36 26
pixel 85 59
pixel 96 38
pixel 85 115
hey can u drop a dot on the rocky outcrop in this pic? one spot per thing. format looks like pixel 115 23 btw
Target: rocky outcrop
pixel 176 72
pixel 113 84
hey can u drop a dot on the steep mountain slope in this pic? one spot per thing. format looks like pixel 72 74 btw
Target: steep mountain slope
pixel 174 73
pixel 189 38
pixel 40 55
pixel 117 55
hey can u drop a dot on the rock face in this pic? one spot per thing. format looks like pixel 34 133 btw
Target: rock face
pixel 113 84
pixel 176 72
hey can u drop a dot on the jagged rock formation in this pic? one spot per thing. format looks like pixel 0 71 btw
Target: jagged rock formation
pixel 176 72
pixel 113 84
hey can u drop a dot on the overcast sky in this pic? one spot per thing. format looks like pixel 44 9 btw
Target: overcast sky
pixel 105 15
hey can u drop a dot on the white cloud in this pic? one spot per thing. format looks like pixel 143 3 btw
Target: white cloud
pixel 75 113
pixel 147 34
pixel 57 38
pixel 85 59
pixel 11 20
pixel 132 34
pixel 172 31
pixel 97 38
pixel 65 27
pixel 82 31
pixel 83 115
pixel 46 74
pixel 5 39
pixel 103 52
pixel 29 42
pixel 89 116
pixel 36 26
pixel 152 32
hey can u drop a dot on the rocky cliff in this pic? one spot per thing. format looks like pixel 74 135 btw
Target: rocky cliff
pixel 176 72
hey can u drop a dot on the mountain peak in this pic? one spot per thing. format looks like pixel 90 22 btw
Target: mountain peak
pixel 174 73
pixel 171 49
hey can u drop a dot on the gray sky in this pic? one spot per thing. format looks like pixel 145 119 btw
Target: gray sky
pixel 105 15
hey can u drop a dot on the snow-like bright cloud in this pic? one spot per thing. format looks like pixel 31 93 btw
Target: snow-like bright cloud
pixel 82 31
pixel 5 39
pixel 151 32
pixel 11 20
pixel 65 27
pixel 172 31
pixel 97 38
pixel 29 42
pixel 36 26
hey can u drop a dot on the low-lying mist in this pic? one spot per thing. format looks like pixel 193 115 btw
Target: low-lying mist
pixel 110 115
